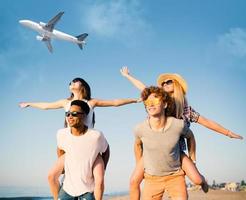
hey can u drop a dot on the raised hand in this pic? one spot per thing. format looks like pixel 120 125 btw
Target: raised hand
pixel 124 71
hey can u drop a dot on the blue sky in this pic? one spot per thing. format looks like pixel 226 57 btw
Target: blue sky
pixel 204 41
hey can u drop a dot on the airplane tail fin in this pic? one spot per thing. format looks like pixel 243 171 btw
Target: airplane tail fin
pixel 81 38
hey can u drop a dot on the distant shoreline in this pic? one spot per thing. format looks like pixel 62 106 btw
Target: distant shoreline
pixel 193 195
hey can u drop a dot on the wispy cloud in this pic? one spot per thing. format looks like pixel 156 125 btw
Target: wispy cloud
pixel 15 64
pixel 234 42
pixel 116 19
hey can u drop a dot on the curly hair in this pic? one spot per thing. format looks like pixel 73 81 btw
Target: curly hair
pixel 164 96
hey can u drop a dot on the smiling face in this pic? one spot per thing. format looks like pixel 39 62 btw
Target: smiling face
pixel 75 116
pixel 168 86
pixel 154 105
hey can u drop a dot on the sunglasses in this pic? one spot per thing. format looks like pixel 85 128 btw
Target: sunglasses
pixel 74 81
pixel 168 82
pixel 73 114
pixel 152 102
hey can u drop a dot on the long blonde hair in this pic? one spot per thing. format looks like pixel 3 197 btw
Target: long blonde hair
pixel 179 99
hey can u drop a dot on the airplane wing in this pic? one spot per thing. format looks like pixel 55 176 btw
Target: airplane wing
pixel 48 44
pixel 51 24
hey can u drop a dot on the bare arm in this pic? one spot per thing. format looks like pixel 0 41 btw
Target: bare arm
pixel 138 149
pixel 60 152
pixel 138 84
pixel 105 157
pixel 191 143
pixel 115 102
pixel 44 105
pixel 217 127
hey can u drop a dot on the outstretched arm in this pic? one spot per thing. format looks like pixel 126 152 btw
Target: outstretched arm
pixel 217 127
pixel 138 84
pixel 115 102
pixel 44 105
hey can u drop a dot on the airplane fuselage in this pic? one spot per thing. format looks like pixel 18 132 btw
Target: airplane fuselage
pixel 39 27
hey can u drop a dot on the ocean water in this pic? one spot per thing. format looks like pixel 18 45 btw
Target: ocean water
pixel 35 193
pixel 21 193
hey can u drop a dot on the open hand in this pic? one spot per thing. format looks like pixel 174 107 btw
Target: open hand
pixel 124 71
pixel 233 135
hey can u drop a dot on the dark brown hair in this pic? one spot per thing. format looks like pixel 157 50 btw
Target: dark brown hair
pixel 85 89
pixel 86 93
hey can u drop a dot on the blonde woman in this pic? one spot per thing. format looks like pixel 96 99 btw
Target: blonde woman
pixel 176 86
pixel 80 90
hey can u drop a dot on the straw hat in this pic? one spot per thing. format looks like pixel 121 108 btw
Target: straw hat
pixel 176 77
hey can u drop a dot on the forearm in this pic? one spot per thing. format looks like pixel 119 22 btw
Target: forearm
pixel 138 84
pixel 217 127
pixel 44 105
pixel 121 102
pixel 39 105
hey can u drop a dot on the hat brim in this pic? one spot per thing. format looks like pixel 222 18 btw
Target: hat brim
pixel 176 77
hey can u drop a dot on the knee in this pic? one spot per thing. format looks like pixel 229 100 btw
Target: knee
pixel 197 180
pixel 52 176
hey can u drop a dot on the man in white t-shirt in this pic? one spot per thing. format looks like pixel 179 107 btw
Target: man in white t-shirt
pixel 82 146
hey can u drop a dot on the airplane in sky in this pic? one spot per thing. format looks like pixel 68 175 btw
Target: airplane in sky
pixel 47 32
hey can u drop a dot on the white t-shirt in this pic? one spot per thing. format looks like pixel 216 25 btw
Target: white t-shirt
pixel 89 119
pixel 81 152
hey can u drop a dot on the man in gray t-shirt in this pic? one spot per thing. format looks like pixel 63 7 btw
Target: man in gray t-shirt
pixel 159 136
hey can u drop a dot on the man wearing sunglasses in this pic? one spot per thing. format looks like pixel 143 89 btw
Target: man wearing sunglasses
pixel 159 138
pixel 81 146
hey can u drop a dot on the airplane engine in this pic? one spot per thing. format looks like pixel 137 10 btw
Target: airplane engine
pixel 42 24
pixel 40 38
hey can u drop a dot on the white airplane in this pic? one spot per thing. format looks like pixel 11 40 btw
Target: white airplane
pixel 47 32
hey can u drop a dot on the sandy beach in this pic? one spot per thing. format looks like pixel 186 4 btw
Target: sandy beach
pixel 199 195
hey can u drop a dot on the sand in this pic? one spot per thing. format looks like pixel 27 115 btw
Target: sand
pixel 199 195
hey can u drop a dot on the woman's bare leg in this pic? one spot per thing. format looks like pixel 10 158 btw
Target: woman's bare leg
pixel 98 173
pixel 135 180
pixel 53 176
pixel 192 172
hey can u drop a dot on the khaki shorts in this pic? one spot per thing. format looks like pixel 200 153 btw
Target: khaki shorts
pixel 155 186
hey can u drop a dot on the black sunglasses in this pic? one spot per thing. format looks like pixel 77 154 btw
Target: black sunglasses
pixel 73 114
pixel 168 82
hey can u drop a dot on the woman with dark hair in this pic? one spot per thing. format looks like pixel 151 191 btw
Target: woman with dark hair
pixel 80 90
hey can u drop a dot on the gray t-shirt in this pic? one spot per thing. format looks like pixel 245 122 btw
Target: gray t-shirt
pixel 161 151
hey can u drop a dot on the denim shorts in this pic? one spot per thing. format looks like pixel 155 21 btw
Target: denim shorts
pixel 65 196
